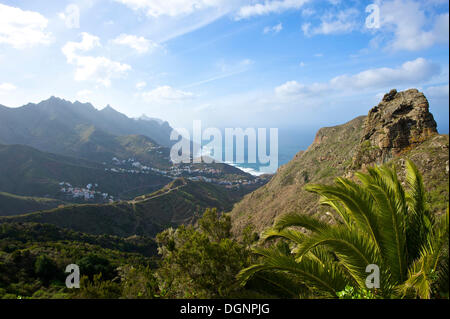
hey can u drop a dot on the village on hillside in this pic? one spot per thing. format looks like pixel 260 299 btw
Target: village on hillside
pixel 91 191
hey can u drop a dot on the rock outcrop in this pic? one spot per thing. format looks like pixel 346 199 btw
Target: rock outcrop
pixel 400 121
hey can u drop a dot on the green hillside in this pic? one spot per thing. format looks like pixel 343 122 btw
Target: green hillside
pixel 180 202
pixel 33 258
pixel 14 205
pixel 29 172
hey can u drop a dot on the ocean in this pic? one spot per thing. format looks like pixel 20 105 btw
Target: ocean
pixel 290 142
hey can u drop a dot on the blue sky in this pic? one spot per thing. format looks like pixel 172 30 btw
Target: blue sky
pixel 249 63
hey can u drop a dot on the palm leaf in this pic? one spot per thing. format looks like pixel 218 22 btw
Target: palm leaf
pixel 327 280
pixel 391 209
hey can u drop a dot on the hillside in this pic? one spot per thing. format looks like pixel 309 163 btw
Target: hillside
pixel 29 172
pixel 15 205
pixel 24 233
pixel 180 202
pixel 399 127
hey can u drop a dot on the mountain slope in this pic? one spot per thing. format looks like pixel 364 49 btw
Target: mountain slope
pixel 180 202
pixel 405 130
pixel 14 205
pixel 29 172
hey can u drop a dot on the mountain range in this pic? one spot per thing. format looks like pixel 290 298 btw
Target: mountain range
pixel 80 130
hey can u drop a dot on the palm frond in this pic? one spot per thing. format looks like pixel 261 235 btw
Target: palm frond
pixel 299 220
pixel 327 280
pixel 354 250
pixel 391 209
pixel 419 219
pixel 289 234
pixel 355 199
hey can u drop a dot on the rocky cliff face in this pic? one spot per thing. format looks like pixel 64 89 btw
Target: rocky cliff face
pixel 400 121
pixel 399 127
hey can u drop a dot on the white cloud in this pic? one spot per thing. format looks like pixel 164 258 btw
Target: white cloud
pixel 293 88
pixel 409 73
pixel 275 29
pixel 441 91
pixel 141 85
pixel 334 23
pixel 88 42
pixel 98 69
pixel 418 70
pixel 166 94
pixel 6 87
pixel 22 29
pixel 406 19
pixel 172 8
pixel 275 6
pixel 140 44
pixel 307 12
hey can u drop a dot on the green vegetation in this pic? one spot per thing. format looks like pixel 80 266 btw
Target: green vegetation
pixel 200 261
pixel 180 202
pixel 11 204
pixel 377 222
pixel 35 269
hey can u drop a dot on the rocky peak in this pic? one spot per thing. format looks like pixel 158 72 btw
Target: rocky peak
pixel 400 121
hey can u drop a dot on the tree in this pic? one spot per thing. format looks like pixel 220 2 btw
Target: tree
pixel 46 269
pixel 93 264
pixel 377 221
pixel 200 263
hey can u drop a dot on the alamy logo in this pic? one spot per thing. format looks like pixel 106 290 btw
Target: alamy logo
pixel 73 279
pixel 260 149
pixel 71 16
pixel 373 19
pixel 373 280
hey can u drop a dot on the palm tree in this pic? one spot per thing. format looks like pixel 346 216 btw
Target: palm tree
pixel 378 222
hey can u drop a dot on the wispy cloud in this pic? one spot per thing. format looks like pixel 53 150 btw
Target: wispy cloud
pixel 167 94
pixel 6 87
pixel 139 44
pixel 441 91
pixel 141 85
pixel 170 8
pixel 334 23
pixel 267 7
pixel 273 29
